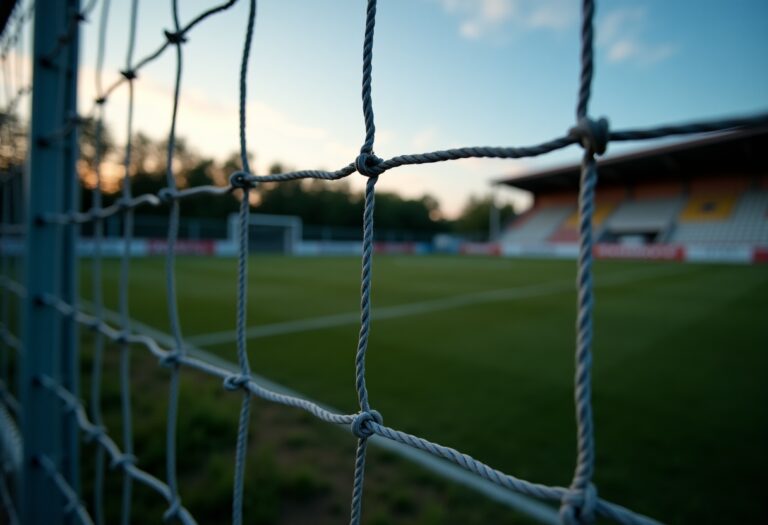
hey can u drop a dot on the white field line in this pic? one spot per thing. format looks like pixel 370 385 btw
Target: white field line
pixel 535 509
pixel 542 512
pixel 424 307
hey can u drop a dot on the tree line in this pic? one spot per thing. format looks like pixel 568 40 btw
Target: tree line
pixel 318 203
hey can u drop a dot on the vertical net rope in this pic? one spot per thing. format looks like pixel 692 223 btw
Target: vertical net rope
pixel 579 503
pixel 96 270
pixel 235 382
pixel 176 39
pixel 365 160
pixel 14 92
pixel 123 294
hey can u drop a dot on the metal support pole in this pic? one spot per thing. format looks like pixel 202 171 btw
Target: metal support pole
pixel 5 221
pixel 49 264
pixel 18 208
pixel 69 283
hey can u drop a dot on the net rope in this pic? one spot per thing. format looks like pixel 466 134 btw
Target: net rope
pixel 579 503
pixel 14 92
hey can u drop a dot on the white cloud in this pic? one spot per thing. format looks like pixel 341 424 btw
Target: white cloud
pixel 622 50
pixel 553 14
pixel 481 18
pixel 614 23
pixel 621 34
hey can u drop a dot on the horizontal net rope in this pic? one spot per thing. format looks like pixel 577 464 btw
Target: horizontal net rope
pixel 579 503
pixel 234 382
pixel 238 179
pixel 116 335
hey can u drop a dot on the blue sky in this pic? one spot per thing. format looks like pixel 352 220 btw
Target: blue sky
pixel 446 73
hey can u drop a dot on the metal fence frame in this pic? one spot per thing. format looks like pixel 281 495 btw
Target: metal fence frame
pixel 47 431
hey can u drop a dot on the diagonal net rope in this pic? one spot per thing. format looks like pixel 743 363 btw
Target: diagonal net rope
pixel 579 503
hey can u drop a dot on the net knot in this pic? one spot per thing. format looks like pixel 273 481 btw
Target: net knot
pixel 167 195
pixel 175 38
pixel 174 509
pixel 361 424
pixel 71 406
pixel 122 338
pixel 592 134
pixel 171 359
pixel 94 433
pixel 76 120
pixel 236 382
pixel 100 101
pixel 368 164
pixel 47 63
pixel 240 179
pixel 70 507
pixel 578 506
pixel 123 460
pixel 42 299
pixel 128 74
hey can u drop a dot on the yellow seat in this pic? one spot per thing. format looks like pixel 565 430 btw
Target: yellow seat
pixel 708 208
pixel 602 211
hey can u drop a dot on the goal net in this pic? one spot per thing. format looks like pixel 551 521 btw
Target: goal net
pixel 266 233
pixel 44 352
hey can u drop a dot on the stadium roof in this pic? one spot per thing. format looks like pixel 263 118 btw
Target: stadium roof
pixel 743 152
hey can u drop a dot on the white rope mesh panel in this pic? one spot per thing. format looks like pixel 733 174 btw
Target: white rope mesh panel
pixel 579 503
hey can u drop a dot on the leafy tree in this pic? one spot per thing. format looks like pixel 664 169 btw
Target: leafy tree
pixel 317 202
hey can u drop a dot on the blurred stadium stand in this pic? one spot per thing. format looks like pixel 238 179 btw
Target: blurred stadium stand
pixel 703 196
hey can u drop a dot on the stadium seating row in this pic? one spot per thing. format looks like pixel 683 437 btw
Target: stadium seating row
pixel 703 218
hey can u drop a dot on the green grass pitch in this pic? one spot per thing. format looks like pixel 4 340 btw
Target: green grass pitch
pixel 477 354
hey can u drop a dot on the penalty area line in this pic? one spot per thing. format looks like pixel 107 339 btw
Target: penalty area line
pixel 422 307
